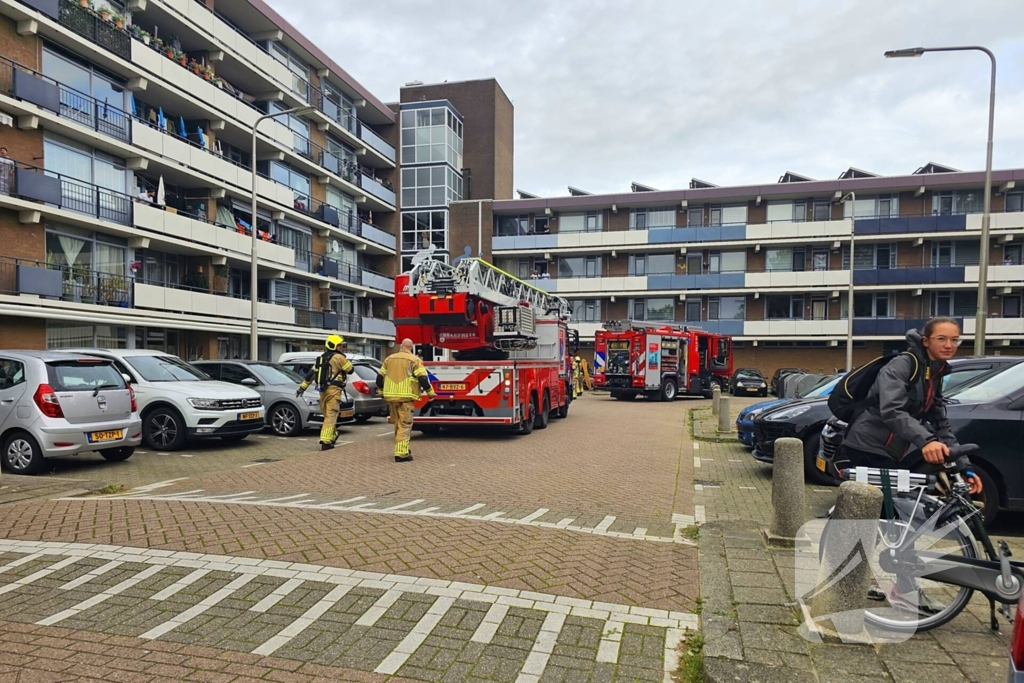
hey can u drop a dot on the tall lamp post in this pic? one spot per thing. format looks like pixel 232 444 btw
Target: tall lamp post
pixel 253 282
pixel 980 318
pixel 851 197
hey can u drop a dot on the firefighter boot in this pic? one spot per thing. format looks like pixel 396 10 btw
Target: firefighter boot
pixel 402 416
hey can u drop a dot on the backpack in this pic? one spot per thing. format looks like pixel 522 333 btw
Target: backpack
pixel 850 396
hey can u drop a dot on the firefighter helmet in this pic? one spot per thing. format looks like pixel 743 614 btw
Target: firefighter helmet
pixel 577 358
pixel 334 341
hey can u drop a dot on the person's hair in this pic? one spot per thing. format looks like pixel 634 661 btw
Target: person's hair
pixel 930 326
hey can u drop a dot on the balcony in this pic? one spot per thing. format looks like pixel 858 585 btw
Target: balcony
pixel 799 229
pixel 996 326
pixel 887 327
pixel 340 270
pixel 519 242
pixel 909 276
pixel 708 281
pixel 721 233
pixel 910 224
pixel 384 328
pixel 1008 274
pixel 587 285
pixel 377 189
pixel 33 183
pixel 804 278
pixel 327 320
pixel 730 327
pixel 88 25
pixel 377 281
pixel 165 297
pixel 64 283
pixel 798 328
pixel 375 234
pixel 376 142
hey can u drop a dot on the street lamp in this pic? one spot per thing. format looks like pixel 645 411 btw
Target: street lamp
pixel 253 282
pixel 980 318
pixel 852 198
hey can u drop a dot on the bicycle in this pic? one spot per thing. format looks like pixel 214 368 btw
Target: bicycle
pixel 928 541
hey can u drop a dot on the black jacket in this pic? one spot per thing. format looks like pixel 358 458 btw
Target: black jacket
pixel 904 401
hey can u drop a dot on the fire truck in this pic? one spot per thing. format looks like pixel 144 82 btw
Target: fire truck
pixel 510 349
pixel 660 361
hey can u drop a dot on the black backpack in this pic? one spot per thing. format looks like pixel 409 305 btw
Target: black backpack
pixel 850 396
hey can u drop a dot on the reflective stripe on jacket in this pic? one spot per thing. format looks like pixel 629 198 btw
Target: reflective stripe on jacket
pixel 401 373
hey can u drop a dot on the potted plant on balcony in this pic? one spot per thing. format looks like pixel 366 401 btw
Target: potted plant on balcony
pixel 182 59
pixel 118 20
pixel 104 13
pixel 83 3
pixel 193 66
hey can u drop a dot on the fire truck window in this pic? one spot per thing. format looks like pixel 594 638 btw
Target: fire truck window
pixel 722 356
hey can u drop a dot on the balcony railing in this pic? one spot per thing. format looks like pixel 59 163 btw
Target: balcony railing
pixel 377 142
pixel 64 192
pixel 328 320
pixel 29 85
pixel 377 189
pixel 66 283
pixel 88 25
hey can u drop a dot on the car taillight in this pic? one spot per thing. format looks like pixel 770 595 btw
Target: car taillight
pixel 46 401
pixel 1017 639
pixel 135 403
pixel 360 386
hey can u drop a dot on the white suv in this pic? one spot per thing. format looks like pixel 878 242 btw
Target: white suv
pixel 179 402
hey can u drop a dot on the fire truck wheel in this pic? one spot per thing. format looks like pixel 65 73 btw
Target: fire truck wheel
pixel 668 390
pixel 526 426
pixel 541 422
pixel 562 411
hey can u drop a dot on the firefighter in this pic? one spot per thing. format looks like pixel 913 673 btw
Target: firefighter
pixel 401 379
pixel 577 377
pixel 329 372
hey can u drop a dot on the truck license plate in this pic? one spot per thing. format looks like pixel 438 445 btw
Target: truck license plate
pixel 452 386
pixel 819 462
pixel 248 416
pixel 113 435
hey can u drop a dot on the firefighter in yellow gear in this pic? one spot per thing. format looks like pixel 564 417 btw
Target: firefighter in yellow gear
pixel 577 377
pixel 401 379
pixel 329 372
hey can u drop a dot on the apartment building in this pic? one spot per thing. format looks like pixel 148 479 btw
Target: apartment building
pixel 770 264
pixel 125 199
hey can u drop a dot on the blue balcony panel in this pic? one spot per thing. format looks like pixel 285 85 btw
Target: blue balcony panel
pixel 655 282
pixel 730 327
pixel 734 232
pixel 503 243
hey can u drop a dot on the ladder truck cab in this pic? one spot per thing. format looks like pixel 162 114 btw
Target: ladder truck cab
pixel 510 347
pixel 660 360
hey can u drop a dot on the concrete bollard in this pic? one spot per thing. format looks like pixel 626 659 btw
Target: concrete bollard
pixel 854 520
pixel 725 425
pixel 716 397
pixel 787 492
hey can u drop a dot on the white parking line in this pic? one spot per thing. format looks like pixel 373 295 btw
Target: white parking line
pixel 38 575
pixel 101 597
pixel 696 461
pixel 252 464
pixel 277 595
pixel 342 502
pixel 405 505
pixel 405 649
pixel 673 637
pixel 194 611
pixel 283 498
pixel 543 646
pixel 533 515
pixel 379 608
pixel 14 564
pixel 180 584
pixel 302 623
pixel 611 639
pixel 489 626
pixel 605 523
pixel 471 508
pixel 86 578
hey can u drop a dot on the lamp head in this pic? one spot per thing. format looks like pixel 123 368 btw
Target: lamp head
pixel 849 197
pixel 906 52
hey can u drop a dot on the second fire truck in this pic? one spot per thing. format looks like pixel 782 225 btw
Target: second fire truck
pixel 509 341
pixel 660 361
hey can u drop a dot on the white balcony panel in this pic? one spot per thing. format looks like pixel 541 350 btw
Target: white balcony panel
pixel 206 304
pixel 179 6
pixel 273 313
pixel 174 73
pixel 1000 221
pixel 204 233
pixel 177 150
pixel 595 239
pixel 201 17
pixel 631 237
pixel 281 72
pixel 279 132
pixel 149 217
pixel 201 160
pixel 147 58
pixel 791 328
pixel 569 239
pixel 274 252
pixel 285 195
pixel 1000 326
pixel 147 138
pixel 150 296
pixel 176 225
pixel 1011 274
pixel 225 35
pixel 791 230
pixel 177 299
pixel 631 284
pixel 266 188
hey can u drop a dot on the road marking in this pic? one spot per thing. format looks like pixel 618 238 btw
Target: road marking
pixel 184 455
pixel 489 626
pixel 731 460
pixel 159 484
pixel 696 461
pixel 698 487
pixel 102 597
pixel 283 498
pixel 86 578
pixel 14 564
pixel 379 608
pixel 405 505
pixel 302 623
pixel 390 433
pixel 543 646
pixel 194 611
pixel 562 524
pixel 277 595
pixel 496 515
pixel 254 464
pixel 640 531
pixel 699 514
pixel 405 649
pixel 38 575
pixel 611 639
pixel 748 488
pixel 180 584
pixel 673 637
pixel 468 510
pixel 227 496
pixel 342 502
pixel 605 523
pixel 696 445
pixel 533 515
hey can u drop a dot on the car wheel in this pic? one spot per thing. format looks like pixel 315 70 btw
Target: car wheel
pixel 163 430
pixel 284 420
pixel 811 472
pixel 669 390
pixel 763 393
pixel 118 454
pixel 22 454
pixel 234 438
pixel 526 426
pixel 541 422
pixel 363 417
pixel 989 495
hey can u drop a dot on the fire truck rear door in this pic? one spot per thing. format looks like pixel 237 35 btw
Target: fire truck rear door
pixel 652 378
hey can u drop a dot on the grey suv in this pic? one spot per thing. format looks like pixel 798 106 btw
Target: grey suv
pixel 57 403
pixel 286 414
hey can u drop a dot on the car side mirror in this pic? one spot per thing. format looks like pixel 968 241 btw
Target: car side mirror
pixel 249 382
pixel 127 378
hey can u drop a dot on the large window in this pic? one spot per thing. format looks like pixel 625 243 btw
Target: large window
pixel 958 303
pixel 507 226
pixel 579 266
pixel 420 229
pixel 784 307
pixel 81 162
pixel 787 211
pixel 432 186
pixel 953 253
pixel 652 264
pixel 788 259
pixel 951 202
pixel 298 126
pixel 339 106
pixel 299 240
pixel 879 206
pixel 299 69
pixel 61 335
pixel 86 79
pixel 727 308
pixel 585 310
pixel 734 261
pixel 660 217
pixel 589 221
pixel 431 136
pixel 345 205
pixel 655 310
pixel 1015 201
pixel 159 268
pixel 870 256
pixel 294 294
pixel 299 182
pixel 81 253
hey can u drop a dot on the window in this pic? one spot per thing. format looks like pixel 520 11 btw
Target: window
pixel 1012 254
pixel 780 259
pixel 715 216
pixel 348 216
pixel 299 69
pixel 822 210
pixel 734 261
pixel 420 229
pixel 869 305
pixel 299 240
pixel 87 79
pixel 579 266
pixel 76 161
pixel 590 221
pixel 158 268
pixel 715 262
pixel 784 307
pixel 819 259
pixel 431 135
pixel 819 308
pixel 880 206
pixel 693 311
pixel 12 373
pixel 695 217
pixel 787 211
pixel 1011 306
pixel 299 128
pixel 955 303
pixel 727 308
pixel 661 217
pixel 299 182
pixel 585 310
pixel 870 256
pixel 1015 201
pixel 652 264
pixel 82 254
pixel 294 294
pixel 339 106
pixel 509 226
pixel 951 202
pixel 942 254
pixel 655 310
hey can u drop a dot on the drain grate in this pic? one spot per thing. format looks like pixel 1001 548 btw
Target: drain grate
pixel 707 482
pixel 266 460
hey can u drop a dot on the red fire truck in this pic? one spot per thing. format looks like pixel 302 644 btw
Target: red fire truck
pixel 660 360
pixel 510 347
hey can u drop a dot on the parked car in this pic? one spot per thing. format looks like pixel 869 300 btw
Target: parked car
pixel 779 374
pixel 1017 645
pixel 286 415
pixel 987 410
pixel 301 362
pixel 746 381
pixel 805 418
pixel 178 402
pixel 368 400
pixel 745 420
pixel 55 403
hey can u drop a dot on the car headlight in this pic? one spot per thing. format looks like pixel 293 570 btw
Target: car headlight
pixel 762 385
pixel 204 403
pixel 788 414
pixel 311 400
pixel 753 413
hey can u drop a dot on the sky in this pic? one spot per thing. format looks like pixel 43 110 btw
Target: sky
pixel 739 92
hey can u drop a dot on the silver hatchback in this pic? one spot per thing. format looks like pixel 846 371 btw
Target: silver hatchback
pixel 57 403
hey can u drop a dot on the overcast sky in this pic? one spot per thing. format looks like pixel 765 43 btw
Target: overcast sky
pixel 735 92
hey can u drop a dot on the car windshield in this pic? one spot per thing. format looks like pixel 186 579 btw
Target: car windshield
pixel 365 372
pixel 998 383
pixel 750 374
pixel 823 388
pixel 166 369
pixel 78 375
pixel 272 374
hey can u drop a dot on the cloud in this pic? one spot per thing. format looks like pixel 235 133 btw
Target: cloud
pixel 607 92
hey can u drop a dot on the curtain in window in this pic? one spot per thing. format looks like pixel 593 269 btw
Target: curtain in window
pixel 109 259
pixel 72 247
pixel 68 335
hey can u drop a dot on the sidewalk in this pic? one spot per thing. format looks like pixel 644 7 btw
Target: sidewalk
pixel 750 616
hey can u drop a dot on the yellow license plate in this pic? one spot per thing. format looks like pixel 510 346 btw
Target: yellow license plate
pixel 452 386
pixel 348 413
pixel 113 435
pixel 819 462
pixel 249 416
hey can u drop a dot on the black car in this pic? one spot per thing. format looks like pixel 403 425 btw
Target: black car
pixel 804 419
pixel 747 382
pixel 779 374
